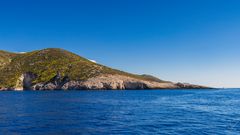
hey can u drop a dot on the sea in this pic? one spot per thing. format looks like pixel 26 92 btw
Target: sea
pixel 130 112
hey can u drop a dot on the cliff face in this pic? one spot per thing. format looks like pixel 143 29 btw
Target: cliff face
pixel 57 69
pixel 102 82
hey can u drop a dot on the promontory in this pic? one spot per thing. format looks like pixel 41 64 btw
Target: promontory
pixel 58 69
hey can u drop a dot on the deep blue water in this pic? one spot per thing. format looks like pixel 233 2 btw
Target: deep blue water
pixel 120 112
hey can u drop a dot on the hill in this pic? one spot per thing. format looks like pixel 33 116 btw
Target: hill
pixel 54 68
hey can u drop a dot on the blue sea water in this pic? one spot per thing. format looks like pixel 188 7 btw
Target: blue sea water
pixel 185 112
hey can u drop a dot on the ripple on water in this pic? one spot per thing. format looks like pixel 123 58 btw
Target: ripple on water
pixel 121 112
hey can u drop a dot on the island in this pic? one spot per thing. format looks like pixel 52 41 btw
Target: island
pixel 58 69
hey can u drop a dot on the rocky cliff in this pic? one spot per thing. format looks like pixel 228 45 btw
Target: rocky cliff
pixel 57 69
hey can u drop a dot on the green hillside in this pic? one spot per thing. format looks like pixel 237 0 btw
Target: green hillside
pixel 5 58
pixel 45 64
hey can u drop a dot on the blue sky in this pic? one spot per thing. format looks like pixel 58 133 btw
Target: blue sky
pixel 188 41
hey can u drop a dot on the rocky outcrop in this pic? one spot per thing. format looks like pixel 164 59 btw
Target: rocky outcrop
pixel 190 86
pixel 107 82
pixel 19 83
pixel 103 82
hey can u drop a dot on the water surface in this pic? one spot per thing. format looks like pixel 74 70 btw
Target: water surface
pixel 120 112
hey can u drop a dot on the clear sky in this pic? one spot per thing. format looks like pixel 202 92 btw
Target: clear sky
pixel 196 41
